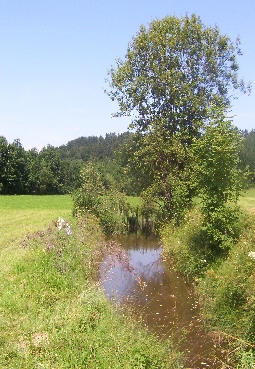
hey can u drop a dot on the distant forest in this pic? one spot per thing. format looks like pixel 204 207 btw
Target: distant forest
pixel 55 170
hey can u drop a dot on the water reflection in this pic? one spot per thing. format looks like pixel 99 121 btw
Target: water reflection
pixel 159 295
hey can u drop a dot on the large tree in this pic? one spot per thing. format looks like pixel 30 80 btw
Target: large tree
pixel 176 74
pixel 175 70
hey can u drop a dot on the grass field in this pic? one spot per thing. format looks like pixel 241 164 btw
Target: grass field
pixel 21 215
pixel 247 200
pixel 134 200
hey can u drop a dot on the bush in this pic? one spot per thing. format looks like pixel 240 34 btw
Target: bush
pixel 219 182
pixel 227 289
pixel 185 244
pixel 108 205
pixel 221 228
pixel 225 281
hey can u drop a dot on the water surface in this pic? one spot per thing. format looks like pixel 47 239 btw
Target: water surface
pixel 161 297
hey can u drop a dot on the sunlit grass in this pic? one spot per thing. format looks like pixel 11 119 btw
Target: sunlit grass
pixel 21 215
pixel 247 200
pixel 134 200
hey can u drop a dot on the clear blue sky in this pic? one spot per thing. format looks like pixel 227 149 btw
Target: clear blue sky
pixel 54 57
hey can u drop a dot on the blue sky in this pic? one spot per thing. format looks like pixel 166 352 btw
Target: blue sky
pixel 54 57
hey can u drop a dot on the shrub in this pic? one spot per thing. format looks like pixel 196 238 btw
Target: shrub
pixel 108 205
pixel 227 290
pixel 185 244
pixel 219 182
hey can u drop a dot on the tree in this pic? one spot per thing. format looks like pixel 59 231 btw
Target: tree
pixel 13 170
pixel 174 71
pixel 34 169
pixel 247 154
pixel 177 72
pixel 219 181
pixel 50 171
pixel 3 163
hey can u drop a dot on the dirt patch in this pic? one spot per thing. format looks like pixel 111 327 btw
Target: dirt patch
pixel 40 339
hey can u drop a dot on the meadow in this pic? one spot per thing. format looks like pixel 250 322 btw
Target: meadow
pixel 247 200
pixel 21 215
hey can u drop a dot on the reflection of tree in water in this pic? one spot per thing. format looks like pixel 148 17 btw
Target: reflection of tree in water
pixel 152 270
pixel 117 274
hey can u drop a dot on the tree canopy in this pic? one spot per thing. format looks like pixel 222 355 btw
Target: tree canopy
pixel 177 76
pixel 174 71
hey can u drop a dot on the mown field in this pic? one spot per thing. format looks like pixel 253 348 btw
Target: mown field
pixel 247 200
pixel 21 215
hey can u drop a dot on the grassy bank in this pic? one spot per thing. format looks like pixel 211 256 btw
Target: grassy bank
pixel 224 283
pixel 53 313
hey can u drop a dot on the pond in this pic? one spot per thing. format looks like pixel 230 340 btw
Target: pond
pixel 162 299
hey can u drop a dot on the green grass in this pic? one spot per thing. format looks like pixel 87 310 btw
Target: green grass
pixel 134 200
pixel 53 314
pixel 247 200
pixel 34 202
pixel 21 215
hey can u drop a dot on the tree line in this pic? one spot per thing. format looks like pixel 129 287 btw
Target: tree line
pixel 56 170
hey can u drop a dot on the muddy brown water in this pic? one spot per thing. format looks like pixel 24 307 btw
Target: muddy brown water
pixel 162 299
